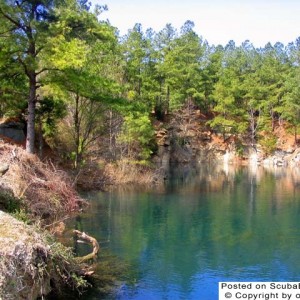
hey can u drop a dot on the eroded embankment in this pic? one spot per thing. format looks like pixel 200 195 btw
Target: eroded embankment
pixel 31 261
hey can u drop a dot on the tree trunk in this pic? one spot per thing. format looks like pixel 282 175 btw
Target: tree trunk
pixel 273 119
pixel 40 137
pixel 30 70
pixel 112 148
pixel 168 100
pixel 31 115
pixel 77 132
pixel 252 125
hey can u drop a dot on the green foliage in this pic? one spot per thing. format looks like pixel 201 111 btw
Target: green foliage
pixel 268 142
pixel 137 134
pixel 250 87
pixel 71 66
pixel 8 202
pixel 64 269
pixel 22 215
pixel 290 109
pixel 182 65
pixel 139 71
pixel 41 38
pixel 14 206
pixel 239 148
pixel 49 111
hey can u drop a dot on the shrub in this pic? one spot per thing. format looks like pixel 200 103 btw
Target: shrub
pixel 268 143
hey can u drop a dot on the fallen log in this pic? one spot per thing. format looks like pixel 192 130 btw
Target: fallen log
pixel 93 255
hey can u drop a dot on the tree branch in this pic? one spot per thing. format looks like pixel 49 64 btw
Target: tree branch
pixel 46 69
pixel 38 50
pixel 24 65
pixel 91 240
pixel 8 17
pixel 3 34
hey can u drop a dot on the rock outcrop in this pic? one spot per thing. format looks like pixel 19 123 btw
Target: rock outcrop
pixel 186 138
pixel 13 130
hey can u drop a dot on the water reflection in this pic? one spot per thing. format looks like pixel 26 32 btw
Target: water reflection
pixel 208 224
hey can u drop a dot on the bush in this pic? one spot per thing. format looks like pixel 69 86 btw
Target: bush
pixel 137 135
pixel 268 143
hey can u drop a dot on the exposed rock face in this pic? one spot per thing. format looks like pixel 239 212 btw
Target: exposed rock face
pixel 23 259
pixel 186 138
pixel 13 130
pixel 279 158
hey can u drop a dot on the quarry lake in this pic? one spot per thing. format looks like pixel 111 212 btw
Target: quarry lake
pixel 203 226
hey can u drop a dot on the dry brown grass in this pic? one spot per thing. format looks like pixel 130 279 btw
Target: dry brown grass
pixel 124 172
pixel 46 191
pixel 92 176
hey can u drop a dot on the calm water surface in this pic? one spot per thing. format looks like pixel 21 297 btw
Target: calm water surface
pixel 205 226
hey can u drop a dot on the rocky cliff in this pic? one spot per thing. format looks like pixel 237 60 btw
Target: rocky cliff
pixel 185 137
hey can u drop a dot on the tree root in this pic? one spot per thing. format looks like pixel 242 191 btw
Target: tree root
pixel 91 256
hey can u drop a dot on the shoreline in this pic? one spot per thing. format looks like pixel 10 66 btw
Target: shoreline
pixel 20 192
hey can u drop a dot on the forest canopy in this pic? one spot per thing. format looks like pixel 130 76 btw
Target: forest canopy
pixel 62 69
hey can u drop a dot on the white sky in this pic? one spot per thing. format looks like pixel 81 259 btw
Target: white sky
pixel 217 21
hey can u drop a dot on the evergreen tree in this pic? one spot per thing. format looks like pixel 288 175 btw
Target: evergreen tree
pixel 182 67
pixel 162 46
pixel 290 108
pixel 36 40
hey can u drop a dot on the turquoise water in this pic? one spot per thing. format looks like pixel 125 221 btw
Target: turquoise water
pixel 202 227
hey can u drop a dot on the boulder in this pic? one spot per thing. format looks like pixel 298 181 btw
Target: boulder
pixel 13 130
